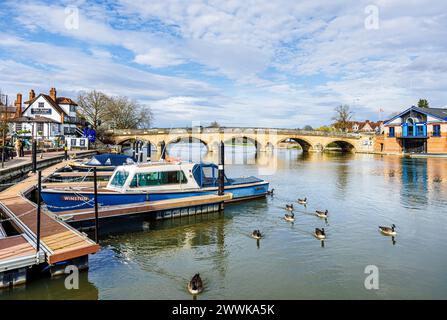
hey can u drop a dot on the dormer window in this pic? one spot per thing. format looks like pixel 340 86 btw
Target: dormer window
pixel 72 108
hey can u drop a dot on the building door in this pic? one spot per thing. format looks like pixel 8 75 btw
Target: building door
pixel 415 146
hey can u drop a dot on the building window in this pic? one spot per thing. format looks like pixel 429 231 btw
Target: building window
pixel 72 108
pixel 436 130
pixel 420 131
pixel 41 104
pixel 391 132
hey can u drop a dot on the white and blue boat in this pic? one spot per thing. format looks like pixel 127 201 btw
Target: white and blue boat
pixel 154 181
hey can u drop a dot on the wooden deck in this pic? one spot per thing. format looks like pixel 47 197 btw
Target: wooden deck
pixel 59 241
pixel 142 207
pixel 17 252
pixel 83 174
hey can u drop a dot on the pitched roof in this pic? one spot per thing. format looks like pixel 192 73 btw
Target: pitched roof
pixel 50 101
pixel 440 113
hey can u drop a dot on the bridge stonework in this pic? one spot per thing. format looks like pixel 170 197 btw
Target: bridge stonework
pixel 265 139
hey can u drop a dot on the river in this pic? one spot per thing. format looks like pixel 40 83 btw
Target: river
pixel 360 191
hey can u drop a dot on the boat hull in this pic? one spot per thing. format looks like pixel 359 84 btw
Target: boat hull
pixel 63 200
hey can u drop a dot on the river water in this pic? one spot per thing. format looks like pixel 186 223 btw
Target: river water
pixel 360 191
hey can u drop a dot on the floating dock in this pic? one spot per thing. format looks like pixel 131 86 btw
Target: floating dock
pixel 162 209
pixel 59 241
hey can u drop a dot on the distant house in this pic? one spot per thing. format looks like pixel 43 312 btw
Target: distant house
pixel 416 130
pixel 47 116
pixel 366 126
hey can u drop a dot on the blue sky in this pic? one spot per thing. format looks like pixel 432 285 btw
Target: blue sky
pixel 242 63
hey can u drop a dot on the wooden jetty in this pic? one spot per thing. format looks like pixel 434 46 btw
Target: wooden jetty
pixel 58 242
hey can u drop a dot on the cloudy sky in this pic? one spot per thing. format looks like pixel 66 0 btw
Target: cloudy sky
pixel 243 63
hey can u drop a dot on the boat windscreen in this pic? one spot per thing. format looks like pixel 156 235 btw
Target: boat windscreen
pixel 119 178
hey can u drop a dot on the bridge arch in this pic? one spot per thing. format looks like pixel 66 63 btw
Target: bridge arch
pixel 188 139
pixel 341 145
pixel 232 139
pixel 305 144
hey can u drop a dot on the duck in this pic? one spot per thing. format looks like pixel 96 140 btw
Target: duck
pixel 302 201
pixel 256 234
pixel 322 214
pixel 195 286
pixel 320 234
pixel 270 192
pixel 289 207
pixel 289 217
pixel 388 231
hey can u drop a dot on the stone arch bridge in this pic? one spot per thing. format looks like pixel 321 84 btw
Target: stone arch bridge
pixel 264 139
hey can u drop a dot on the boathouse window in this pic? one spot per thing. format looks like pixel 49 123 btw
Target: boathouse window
pixel 119 179
pixel 436 130
pixel 391 132
pixel 157 179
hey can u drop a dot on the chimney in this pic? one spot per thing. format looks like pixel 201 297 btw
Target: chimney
pixel 18 105
pixel 53 94
pixel 32 95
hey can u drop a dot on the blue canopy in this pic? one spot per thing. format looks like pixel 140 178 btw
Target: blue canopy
pixel 110 159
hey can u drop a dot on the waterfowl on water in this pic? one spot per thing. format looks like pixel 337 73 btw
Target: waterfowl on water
pixel 320 234
pixel 195 286
pixel 256 234
pixel 387 230
pixel 270 192
pixel 289 207
pixel 289 217
pixel 302 201
pixel 322 214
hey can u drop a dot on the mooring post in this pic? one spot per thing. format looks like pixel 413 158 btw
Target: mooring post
pixel 133 151
pixel 39 189
pixel 65 152
pixel 34 156
pixel 95 179
pixel 163 150
pixel 148 152
pixel 221 176
pixel 141 151
pixel 137 144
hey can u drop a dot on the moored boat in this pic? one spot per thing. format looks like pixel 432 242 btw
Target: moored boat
pixel 155 181
pixel 102 162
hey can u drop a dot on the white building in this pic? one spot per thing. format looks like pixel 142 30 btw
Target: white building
pixel 59 111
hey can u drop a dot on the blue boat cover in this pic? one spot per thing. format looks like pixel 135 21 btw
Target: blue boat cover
pixel 110 159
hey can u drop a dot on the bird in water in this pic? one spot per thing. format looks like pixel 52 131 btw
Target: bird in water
pixel 320 234
pixel 289 207
pixel 195 286
pixel 289 217
pixel 256 234
pixel 388 231
pixel 302 201
pixel 322 214
pixel 270 192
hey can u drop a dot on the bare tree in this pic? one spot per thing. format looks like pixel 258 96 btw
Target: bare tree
pixel 128 114
pixel 343 115
pixel 93 106
pixel 214 124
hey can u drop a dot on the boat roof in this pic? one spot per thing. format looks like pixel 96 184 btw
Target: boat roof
pixel 110 159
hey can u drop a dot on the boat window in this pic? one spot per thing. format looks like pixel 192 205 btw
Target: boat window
pixel 158 178
pixel 119 178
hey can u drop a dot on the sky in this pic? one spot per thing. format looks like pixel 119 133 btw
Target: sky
pixel 282 64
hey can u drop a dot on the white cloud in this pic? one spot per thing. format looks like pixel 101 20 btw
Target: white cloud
pixel 158 58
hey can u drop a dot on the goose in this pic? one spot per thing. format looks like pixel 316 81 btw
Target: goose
pixel 289 207
pixel 388 231
pixel 322 214
pixel 256 234
pixel 302 201
pixel 270 192
pixel 289 217
pixel 195 286
pixel 320 234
